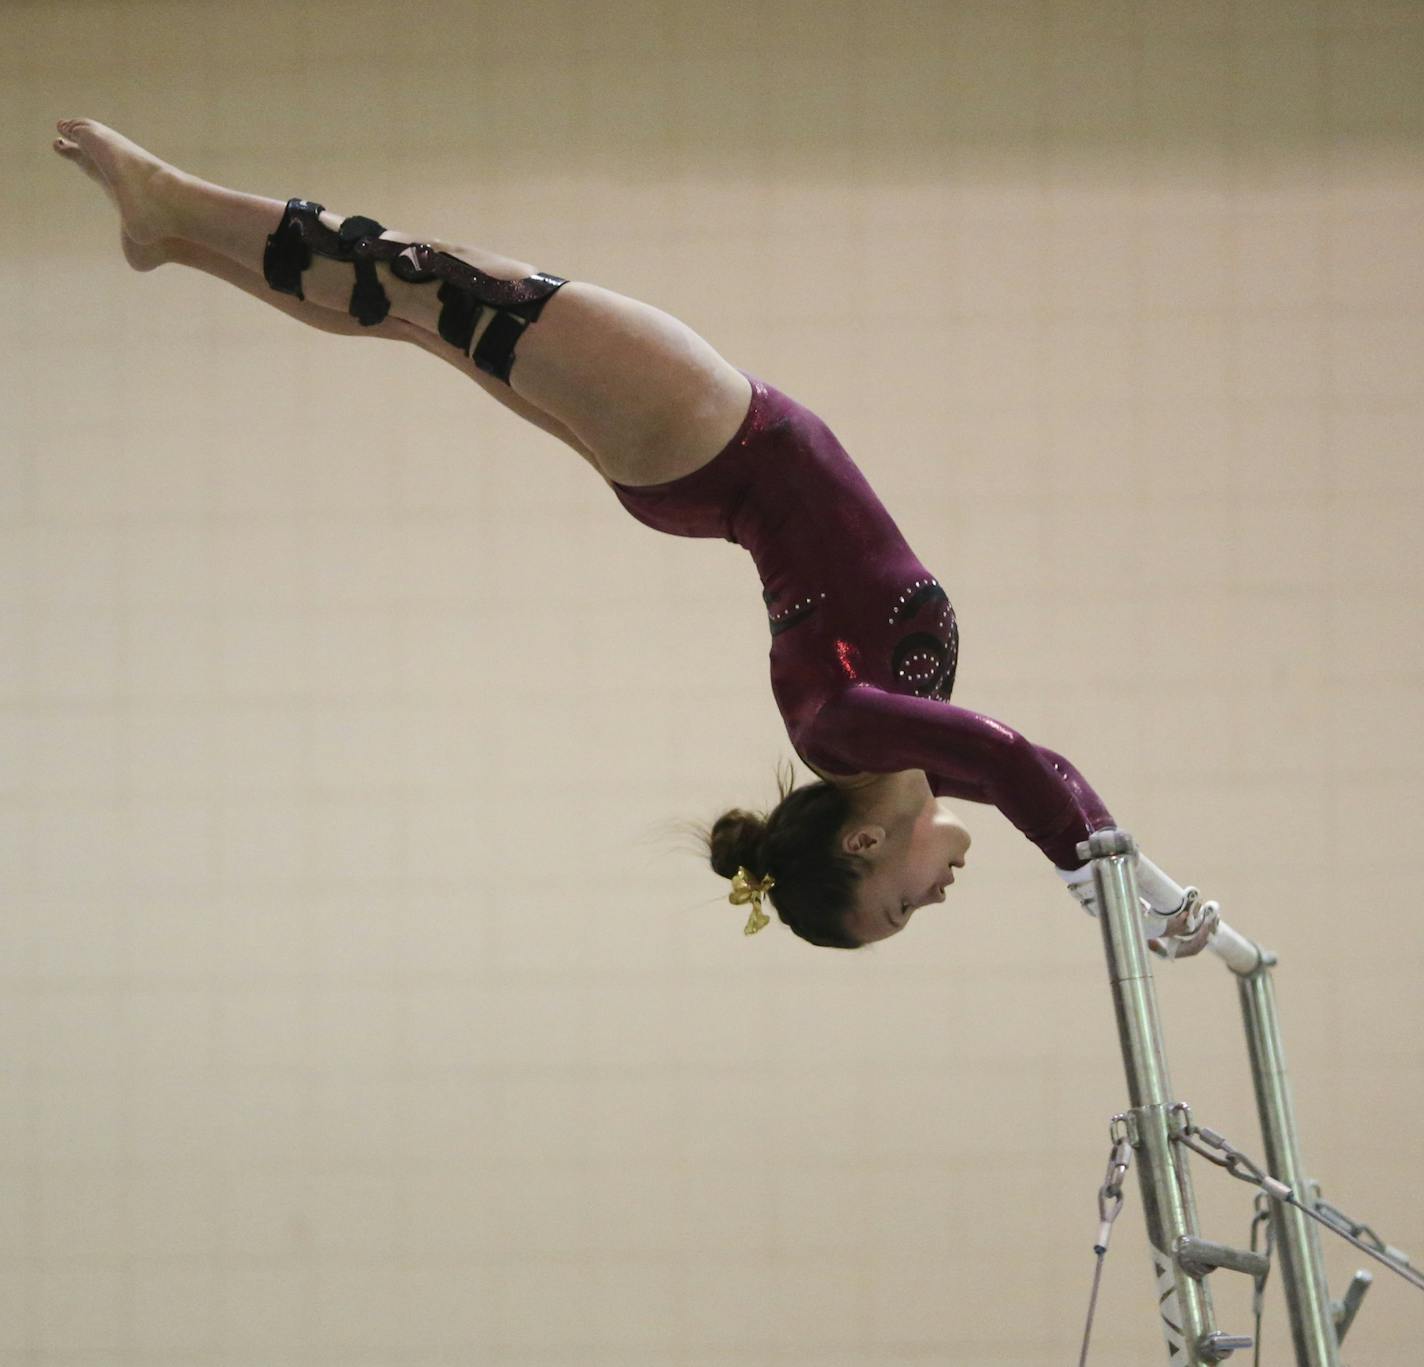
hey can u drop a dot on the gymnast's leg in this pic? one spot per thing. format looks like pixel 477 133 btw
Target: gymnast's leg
pixel 340 323
pixel 156 250
pixel 639 394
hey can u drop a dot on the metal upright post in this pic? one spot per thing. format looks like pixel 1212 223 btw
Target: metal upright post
pixel 1184 1300
pixel 1302 1270
pixel 1315 1329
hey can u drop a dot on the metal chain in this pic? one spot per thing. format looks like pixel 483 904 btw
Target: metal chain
pixel 1234 1162
pixel 1109 1208
pixel 1345 1225
pixel 1240 1166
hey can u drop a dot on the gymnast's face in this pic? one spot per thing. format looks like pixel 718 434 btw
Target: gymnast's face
pixel 911 844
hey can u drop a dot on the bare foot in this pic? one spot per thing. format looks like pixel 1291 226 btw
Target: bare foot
pixel 134 180
pixel 141 256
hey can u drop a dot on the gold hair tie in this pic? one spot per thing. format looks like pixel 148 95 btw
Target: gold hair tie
pixel 745 889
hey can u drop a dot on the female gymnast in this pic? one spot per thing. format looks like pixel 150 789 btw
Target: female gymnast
pixel 864 641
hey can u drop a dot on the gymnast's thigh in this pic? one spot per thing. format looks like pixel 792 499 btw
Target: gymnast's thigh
pixel 649 397
pixel 496 389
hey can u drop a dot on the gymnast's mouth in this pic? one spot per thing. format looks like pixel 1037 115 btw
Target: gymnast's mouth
pixel 937 892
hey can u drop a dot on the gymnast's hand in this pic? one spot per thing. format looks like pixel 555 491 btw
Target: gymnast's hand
pixel 1188 932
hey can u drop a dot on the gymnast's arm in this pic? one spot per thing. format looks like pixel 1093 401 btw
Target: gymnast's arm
pixel 965 754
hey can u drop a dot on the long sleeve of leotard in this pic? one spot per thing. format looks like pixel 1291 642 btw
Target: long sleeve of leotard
pixel 964 754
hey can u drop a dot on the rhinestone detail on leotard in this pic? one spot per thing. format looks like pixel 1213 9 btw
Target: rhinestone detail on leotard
pixel 914 597
pixel 797 612
pixel 924 659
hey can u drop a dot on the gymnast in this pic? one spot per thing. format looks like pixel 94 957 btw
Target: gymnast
pixel 864 641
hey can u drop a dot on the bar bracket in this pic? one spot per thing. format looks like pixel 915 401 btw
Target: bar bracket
pixel 1198 1257
pixel 1217 1346
pixel 1344 1311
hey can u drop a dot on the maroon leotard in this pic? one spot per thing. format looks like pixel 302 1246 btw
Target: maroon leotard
pixel 864 641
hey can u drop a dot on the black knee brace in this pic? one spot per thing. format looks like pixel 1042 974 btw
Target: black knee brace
pixel 465 291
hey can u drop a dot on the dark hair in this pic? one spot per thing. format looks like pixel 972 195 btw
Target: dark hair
pixel 797 845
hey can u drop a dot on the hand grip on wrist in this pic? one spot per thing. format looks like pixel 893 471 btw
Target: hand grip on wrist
pixel 1080 882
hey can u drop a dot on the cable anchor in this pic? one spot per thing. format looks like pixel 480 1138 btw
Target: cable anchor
pixel 1110 1201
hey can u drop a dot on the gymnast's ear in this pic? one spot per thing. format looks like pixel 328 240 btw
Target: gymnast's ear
pixel 863 839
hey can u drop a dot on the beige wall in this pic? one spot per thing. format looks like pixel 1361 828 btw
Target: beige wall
pixel 356 1004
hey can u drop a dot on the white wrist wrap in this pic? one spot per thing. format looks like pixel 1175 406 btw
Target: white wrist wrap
pixel 1080 883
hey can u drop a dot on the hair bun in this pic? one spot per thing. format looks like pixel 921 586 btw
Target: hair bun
pixel 736 842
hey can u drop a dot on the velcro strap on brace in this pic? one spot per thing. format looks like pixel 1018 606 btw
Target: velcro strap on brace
pixel 287 254
pixel 495 353
pixel 460 316
pixel 369 302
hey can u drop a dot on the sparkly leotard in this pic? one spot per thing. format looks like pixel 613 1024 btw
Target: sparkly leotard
pixel 864 641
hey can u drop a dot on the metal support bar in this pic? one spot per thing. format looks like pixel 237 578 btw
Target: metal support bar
pixel 1180 1257
pixel 1312 1320
pixel 1184 1302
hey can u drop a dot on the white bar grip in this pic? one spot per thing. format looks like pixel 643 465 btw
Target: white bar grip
pixel 1156 888
pixel 1238 953
pixel 1165 895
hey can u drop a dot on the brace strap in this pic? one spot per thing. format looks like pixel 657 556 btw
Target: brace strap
pixel 465 290
pixel 300 233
